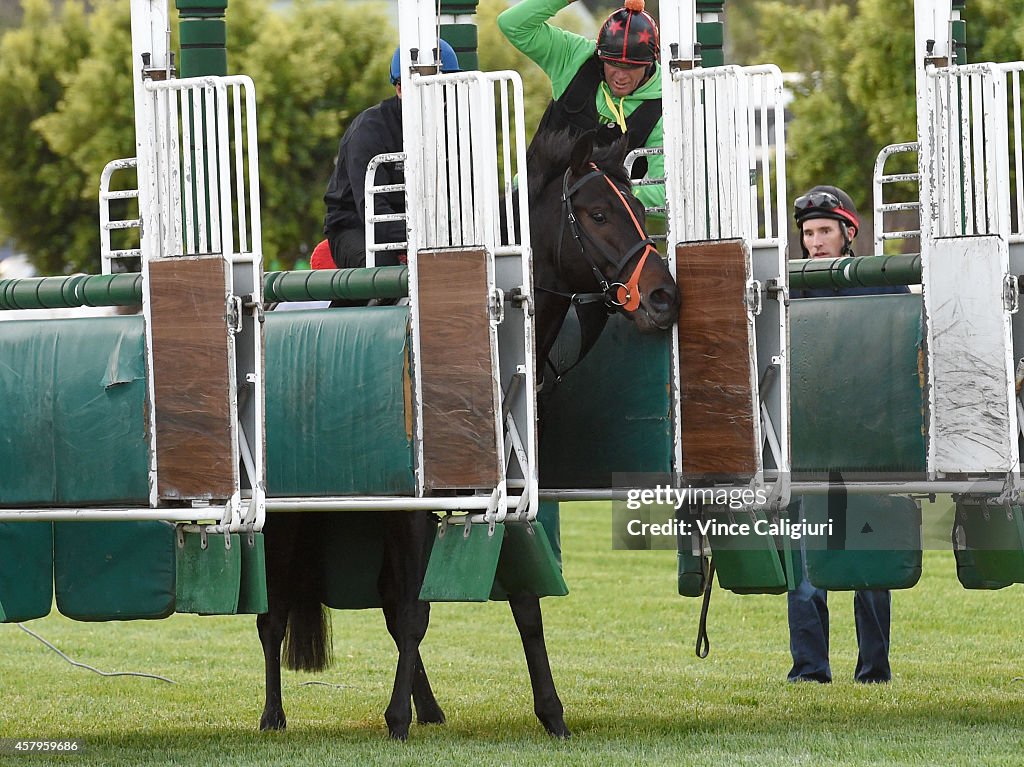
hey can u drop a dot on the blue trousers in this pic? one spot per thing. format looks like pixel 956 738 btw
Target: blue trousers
pixel 808 634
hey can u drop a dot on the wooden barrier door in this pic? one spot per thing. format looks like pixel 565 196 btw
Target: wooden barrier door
pixel 718 362
pixel 461 412
pixel 193 379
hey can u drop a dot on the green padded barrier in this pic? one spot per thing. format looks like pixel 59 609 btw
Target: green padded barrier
pixel 337 418
pixel 527 564
pixel 857 403
pixel 969 576
pixel 994 535
pixel 73 394
pixel 875 542
pixel 252 592
pixel 350 571
pixel 26 571
pixel 208 577
pixel 462 567
pixel 692 570
pixel 748 564
pixel 114 570
pixel 548 517
pixel 612 413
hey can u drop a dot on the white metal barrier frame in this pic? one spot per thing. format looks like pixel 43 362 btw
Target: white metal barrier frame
pixel 725 180
pixel 201 175
pixel 970 291
pixel 107 253
pixel 879 180
pixel 464 136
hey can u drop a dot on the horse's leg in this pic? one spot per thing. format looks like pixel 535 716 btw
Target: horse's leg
pixel 400 582
pixel 281 537
pixel 546 704
pixel 428 710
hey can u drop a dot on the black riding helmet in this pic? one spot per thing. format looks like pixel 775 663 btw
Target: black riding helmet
pixel 825 201
pixel 629 36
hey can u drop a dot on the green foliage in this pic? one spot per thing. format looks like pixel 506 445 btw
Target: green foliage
pixel 41 190
pixel 858 82
pixel 826 140
pixel 313 76
pixel 66 101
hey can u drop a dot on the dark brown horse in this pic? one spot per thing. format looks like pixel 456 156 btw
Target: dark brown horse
pixel 588 241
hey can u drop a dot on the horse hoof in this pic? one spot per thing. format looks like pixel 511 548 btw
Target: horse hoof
pixel 557 729
pixel 399 735
pixel 561 733
pixel 273 721
pixel 431 717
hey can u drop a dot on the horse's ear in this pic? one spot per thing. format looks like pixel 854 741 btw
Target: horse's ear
pixel 581 153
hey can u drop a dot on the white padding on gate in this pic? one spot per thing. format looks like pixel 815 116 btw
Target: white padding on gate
pixel 972 421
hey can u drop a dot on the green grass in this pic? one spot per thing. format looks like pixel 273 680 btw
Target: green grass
pixel 621 646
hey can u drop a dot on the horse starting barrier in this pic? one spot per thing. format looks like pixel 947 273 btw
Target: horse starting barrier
pixel 215 413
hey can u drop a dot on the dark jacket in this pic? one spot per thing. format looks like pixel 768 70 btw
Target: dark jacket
pixel 576 110
pixel 377 130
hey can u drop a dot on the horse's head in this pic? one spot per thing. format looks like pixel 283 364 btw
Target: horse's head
pixel 602 244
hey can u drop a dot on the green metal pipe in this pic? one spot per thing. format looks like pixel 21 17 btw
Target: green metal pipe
pixel 126 289
pixel 856 272
pixel 334 284
pixel 393 282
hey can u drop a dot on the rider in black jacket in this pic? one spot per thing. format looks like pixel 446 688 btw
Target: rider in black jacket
pixel 377 130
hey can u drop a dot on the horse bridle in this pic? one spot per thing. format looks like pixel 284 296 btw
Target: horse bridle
pixel 615 294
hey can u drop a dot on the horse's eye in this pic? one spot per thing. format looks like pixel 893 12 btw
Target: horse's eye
pixel 598 216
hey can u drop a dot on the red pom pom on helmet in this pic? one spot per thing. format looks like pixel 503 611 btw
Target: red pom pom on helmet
pixel 634 5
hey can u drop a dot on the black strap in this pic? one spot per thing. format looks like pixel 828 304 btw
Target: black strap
pixel 703 644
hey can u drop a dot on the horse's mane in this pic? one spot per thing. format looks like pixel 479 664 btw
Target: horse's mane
pixel 549 155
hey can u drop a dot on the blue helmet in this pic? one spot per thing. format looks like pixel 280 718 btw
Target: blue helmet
pixel 449 62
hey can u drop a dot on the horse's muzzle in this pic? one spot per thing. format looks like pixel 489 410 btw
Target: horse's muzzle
pixel 659 309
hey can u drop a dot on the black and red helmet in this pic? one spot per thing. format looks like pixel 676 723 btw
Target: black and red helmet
pixel 629 36
pixel 826 202
pixel 831 202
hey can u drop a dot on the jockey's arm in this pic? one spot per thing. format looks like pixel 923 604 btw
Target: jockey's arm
pixel 363 148
pixel 556 51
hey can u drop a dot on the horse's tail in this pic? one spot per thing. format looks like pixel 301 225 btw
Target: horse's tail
pixel 307 641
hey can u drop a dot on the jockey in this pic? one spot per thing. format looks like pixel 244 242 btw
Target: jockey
pixel 377 130
pixel 613 82
pixel 813 213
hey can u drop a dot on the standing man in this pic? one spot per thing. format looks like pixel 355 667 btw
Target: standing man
pixel 377 130
pixel 827 222
pixel 614 82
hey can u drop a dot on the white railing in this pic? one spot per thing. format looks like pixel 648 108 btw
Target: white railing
pixel 371 189
pixel 107 253
pixel 968 161
pixel 881 179
pixel 470 123
pixel 206 165
pixel 730 174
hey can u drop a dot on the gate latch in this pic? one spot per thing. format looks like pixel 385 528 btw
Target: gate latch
pixel 496 306
pixel 753 297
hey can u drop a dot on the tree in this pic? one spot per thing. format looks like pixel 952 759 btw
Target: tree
pixel 312 76
pixel 66 101
pixel 41 201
